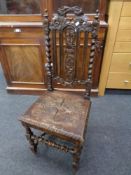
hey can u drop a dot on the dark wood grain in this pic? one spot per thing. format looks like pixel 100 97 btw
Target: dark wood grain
pixel 17 57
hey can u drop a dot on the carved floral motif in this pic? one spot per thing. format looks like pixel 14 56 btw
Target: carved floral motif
pixel 69 65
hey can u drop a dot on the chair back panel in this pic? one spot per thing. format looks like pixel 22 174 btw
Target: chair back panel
pixel 73 44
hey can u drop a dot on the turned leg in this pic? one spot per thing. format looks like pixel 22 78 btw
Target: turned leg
pixel 32 141
pixel 76 159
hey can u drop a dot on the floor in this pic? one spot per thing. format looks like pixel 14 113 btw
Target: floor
pixel 107 149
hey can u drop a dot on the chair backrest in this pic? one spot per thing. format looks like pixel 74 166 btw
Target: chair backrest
pixel 70 54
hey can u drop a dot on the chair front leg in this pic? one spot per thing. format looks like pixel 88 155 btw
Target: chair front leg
pixel 76 159
pixel 30 137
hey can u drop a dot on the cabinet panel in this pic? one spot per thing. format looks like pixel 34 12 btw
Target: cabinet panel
pixel 121 62
pixel 123 35
pixel 125 23
pixel 126 11
pixel 24 63
pixel 119 81
pixel 122 47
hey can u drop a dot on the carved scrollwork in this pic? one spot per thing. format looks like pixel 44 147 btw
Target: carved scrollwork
pixel 75 10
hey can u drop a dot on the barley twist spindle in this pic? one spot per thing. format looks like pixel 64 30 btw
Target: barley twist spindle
pixel 92 54
pixel 48 52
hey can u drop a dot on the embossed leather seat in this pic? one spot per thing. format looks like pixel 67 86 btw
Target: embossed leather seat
pixel 56 113
pixel 61 113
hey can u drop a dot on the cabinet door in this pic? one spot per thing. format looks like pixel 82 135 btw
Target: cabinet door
pixel 20 7
pixel 22 10
pixel 23 63
pixel 88 6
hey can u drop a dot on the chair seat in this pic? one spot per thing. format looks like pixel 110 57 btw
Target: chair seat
pixel 64 114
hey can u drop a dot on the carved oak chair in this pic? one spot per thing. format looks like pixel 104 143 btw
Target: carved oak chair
pixel 60 114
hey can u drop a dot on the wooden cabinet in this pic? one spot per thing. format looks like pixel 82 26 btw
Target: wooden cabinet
pixel 22 57
pixel 118 60
pixel 22 42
